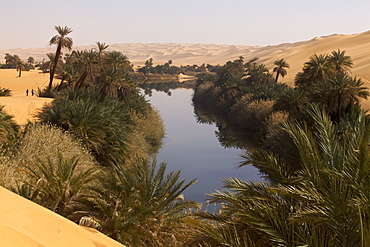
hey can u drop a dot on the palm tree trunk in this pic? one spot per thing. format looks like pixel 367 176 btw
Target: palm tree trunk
pixel 52 71
pixel 277 76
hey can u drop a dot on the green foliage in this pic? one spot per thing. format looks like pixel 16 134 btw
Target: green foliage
pixel 324 203
pixel 111 129
pixel 251 115
pixel 9 130
pixel 50 168
pixel 144 206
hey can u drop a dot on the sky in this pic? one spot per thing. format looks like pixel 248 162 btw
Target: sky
pixel 30 23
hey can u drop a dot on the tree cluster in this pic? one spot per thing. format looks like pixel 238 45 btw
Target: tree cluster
pixel 169 69
pixel 313 152
pixel 15 62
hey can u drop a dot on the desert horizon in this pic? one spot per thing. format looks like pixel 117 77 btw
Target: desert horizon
pixel 296 54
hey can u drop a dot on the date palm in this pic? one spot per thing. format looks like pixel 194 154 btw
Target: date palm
pixel 280 70
pixel 56 184
pixel 340 93
pixel 144 206
pixel 86 61
pixel 117 60
pixel 19 66
pixel 101 51
pixel 62 42
pixel 101 126
pixel 318 68
pixel 292 100
pixel 341 62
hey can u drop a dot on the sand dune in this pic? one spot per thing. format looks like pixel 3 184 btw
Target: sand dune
pixel 24 223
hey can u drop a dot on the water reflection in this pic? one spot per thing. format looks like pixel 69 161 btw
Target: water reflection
pixel 165 86
pixel 193 147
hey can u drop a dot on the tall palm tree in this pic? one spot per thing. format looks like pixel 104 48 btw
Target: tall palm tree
pixel 342 63
pixel 281 64
pixel 8 59
pixel 30 60
pixel 101 51
pixel 62 42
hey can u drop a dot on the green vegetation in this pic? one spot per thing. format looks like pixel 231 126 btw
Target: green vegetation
pixel 90 156
pixel 312 148
pixel 169 69
pixel 15 62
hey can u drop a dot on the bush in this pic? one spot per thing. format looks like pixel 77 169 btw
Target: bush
pixel 5 92
pixel 278 141
pixel 251 115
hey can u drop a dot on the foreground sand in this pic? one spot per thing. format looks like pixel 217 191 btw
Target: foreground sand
pixel 24 223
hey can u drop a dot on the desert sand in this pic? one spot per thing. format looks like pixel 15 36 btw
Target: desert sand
pixel 19 105
pixel 24 223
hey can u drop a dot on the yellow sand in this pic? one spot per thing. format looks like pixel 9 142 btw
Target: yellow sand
pixel 24 223
pixel 19 105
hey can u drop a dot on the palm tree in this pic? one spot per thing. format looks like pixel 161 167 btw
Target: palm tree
pixel 8 59
pixel 325 203
pixel 144 206
pixel 55 184
pixel 117 60
pixel 292 100
pixel 280 69
pixel 318 68
pixel 62 42
pixel 340 93
pixel 101 126
pixel 19 66
pixel 101 51
pixel 86 61
pixel 342 63
pixel 30 60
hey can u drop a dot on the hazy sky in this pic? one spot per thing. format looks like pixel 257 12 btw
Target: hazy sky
pixel 30 23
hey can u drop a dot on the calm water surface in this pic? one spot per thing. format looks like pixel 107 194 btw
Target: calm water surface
pixel 193 148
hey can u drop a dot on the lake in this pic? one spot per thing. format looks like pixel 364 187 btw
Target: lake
pixel 193 147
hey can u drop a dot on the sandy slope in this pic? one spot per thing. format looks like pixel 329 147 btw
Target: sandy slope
pixel 24 223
